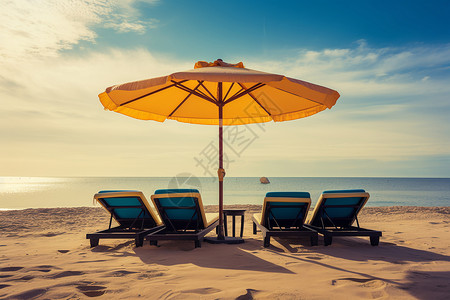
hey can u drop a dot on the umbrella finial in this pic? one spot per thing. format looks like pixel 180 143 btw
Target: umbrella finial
pixel 217 63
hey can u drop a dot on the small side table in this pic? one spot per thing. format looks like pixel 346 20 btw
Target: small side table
pixel 233 213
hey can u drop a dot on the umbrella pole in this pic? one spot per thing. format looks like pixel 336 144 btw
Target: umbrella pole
pixel 221 171
pixel 221 239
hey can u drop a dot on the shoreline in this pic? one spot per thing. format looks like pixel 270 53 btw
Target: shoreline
pixel 44 254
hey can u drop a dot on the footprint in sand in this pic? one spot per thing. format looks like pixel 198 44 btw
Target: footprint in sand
pixel 376 285
pixel 44 268
pixel 66 274
pixel 63 251
pixel 31 294
pixel 202 291
pixel 51 234
pixel 10 269
pixel 150 274
pixel 23 278
pixel 172 295
pixel 314 257
pixel 248 295
pixel 360 280
pixel 92 290
pixel 121 273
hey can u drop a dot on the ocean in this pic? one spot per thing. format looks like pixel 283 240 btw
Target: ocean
pixel 47 192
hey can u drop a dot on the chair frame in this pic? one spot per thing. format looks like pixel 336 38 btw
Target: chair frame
pixel 124 231
pixel 295 230
pixel 336 230
pixel 182 230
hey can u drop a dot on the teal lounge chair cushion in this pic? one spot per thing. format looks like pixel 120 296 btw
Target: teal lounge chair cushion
pixel 286 213
pixel 289 194
pixel 175 202
pixel 286 216
pixel 342 212
pixel 341 216
pixel 125 213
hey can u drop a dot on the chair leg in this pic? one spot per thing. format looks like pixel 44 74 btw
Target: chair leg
pixel 242 226
pixel 225 225
pixel 197 244
pixel 139 241
pixel 314 240
pixel 254 228
pixel 94 242
pixel 266 241
pixel 374 240
pixel 327 239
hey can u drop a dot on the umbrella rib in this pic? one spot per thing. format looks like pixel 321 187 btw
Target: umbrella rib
pixel 151 93
pixel 212 96
pixel 186 89
pixel 200 91
pixel 300 96
pixel 229 90
pixel 256 100
pixel 235 94
pixel 184 100
pixel 247 91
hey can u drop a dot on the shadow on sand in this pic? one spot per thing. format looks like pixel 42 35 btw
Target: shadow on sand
pixel 168 254
pixel 420 284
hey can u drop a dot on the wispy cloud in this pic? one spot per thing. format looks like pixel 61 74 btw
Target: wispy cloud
pixel 43 28
pixel 365 71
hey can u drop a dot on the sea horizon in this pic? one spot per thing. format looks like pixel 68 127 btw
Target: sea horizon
pixel 21 192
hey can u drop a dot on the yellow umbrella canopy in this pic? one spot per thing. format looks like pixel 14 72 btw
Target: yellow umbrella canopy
pixel 192 96
pixel 219 93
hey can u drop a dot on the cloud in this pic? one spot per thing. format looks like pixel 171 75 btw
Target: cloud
pixel 43 28
pixel 55 125
pixel 365 71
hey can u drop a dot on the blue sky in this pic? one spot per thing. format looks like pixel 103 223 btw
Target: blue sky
pixel 389 60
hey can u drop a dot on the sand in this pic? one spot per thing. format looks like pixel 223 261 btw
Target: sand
pixel 44 255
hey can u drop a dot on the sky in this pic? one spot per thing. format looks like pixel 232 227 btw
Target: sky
pixel 389 60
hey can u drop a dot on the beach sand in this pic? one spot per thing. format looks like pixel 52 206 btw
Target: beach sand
pixel 44 254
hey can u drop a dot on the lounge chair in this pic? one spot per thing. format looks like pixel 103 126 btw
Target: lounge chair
pixel 182 212
pixel 133 213
pixel 283 215
pixel 336 211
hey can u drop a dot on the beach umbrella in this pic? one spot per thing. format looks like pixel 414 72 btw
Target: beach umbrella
pixel 220 94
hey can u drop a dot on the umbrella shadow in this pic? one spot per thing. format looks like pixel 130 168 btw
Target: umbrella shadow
pixel 359 249
pixel 424 285
pixel 227 257
pixel 427 285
